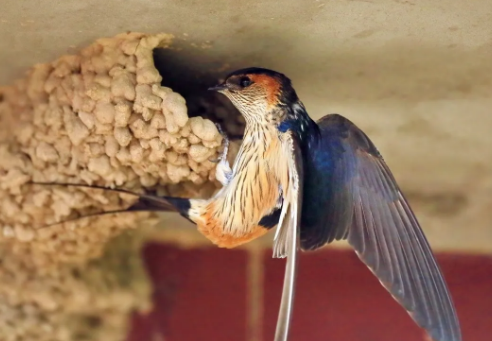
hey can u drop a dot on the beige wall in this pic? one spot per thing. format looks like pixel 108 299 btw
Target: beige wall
pixel 415 75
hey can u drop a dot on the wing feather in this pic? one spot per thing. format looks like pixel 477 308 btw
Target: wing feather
pixel 362 202
pixel 286 241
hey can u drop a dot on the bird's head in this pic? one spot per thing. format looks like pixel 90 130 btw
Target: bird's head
pixel 257 92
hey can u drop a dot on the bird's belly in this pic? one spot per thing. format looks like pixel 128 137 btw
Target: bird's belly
pixel 233 216
pixel 214 232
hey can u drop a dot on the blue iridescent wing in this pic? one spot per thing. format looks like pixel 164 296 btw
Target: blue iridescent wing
pixel 350 193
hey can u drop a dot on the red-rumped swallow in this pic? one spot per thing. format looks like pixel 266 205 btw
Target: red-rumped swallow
pixel 316 182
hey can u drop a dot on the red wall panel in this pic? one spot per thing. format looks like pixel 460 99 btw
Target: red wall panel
pixel 202 294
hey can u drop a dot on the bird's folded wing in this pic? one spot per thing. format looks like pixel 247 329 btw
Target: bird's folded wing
pixel 287 237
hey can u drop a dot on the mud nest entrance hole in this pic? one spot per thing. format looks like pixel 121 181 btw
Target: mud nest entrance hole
pixel 187 71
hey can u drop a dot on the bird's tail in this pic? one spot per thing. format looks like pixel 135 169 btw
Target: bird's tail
pixel 145 202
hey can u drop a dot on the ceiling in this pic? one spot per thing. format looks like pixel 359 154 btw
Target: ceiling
pixel 415 76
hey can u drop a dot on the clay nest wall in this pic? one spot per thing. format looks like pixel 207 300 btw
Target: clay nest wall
pixel 100 117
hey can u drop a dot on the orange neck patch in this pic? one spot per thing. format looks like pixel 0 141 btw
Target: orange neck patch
pixel 271 86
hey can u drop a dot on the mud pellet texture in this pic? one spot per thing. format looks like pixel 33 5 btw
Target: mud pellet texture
pixel 98 117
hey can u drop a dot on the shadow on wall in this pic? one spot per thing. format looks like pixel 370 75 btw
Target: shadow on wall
pixel 394 71
pixel 409 71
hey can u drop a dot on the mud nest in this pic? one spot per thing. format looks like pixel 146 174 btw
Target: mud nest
pixel 100 117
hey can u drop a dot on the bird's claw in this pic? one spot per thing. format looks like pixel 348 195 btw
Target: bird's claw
pixel 223 155
pixel 221 131
pixel 223 169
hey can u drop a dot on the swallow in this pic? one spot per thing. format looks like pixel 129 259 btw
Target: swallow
pixel 315 182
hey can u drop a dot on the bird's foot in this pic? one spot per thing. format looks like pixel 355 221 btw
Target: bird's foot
pixel 223 172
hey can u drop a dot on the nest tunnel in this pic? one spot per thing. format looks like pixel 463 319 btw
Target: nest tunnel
pixel 190 74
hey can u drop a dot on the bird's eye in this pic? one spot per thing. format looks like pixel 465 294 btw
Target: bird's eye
pixel 245 82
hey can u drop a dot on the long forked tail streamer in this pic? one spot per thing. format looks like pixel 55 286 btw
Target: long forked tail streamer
pixel 288 291
pixel 145 203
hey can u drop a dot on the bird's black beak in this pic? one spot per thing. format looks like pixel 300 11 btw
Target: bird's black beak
pixel 218 87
